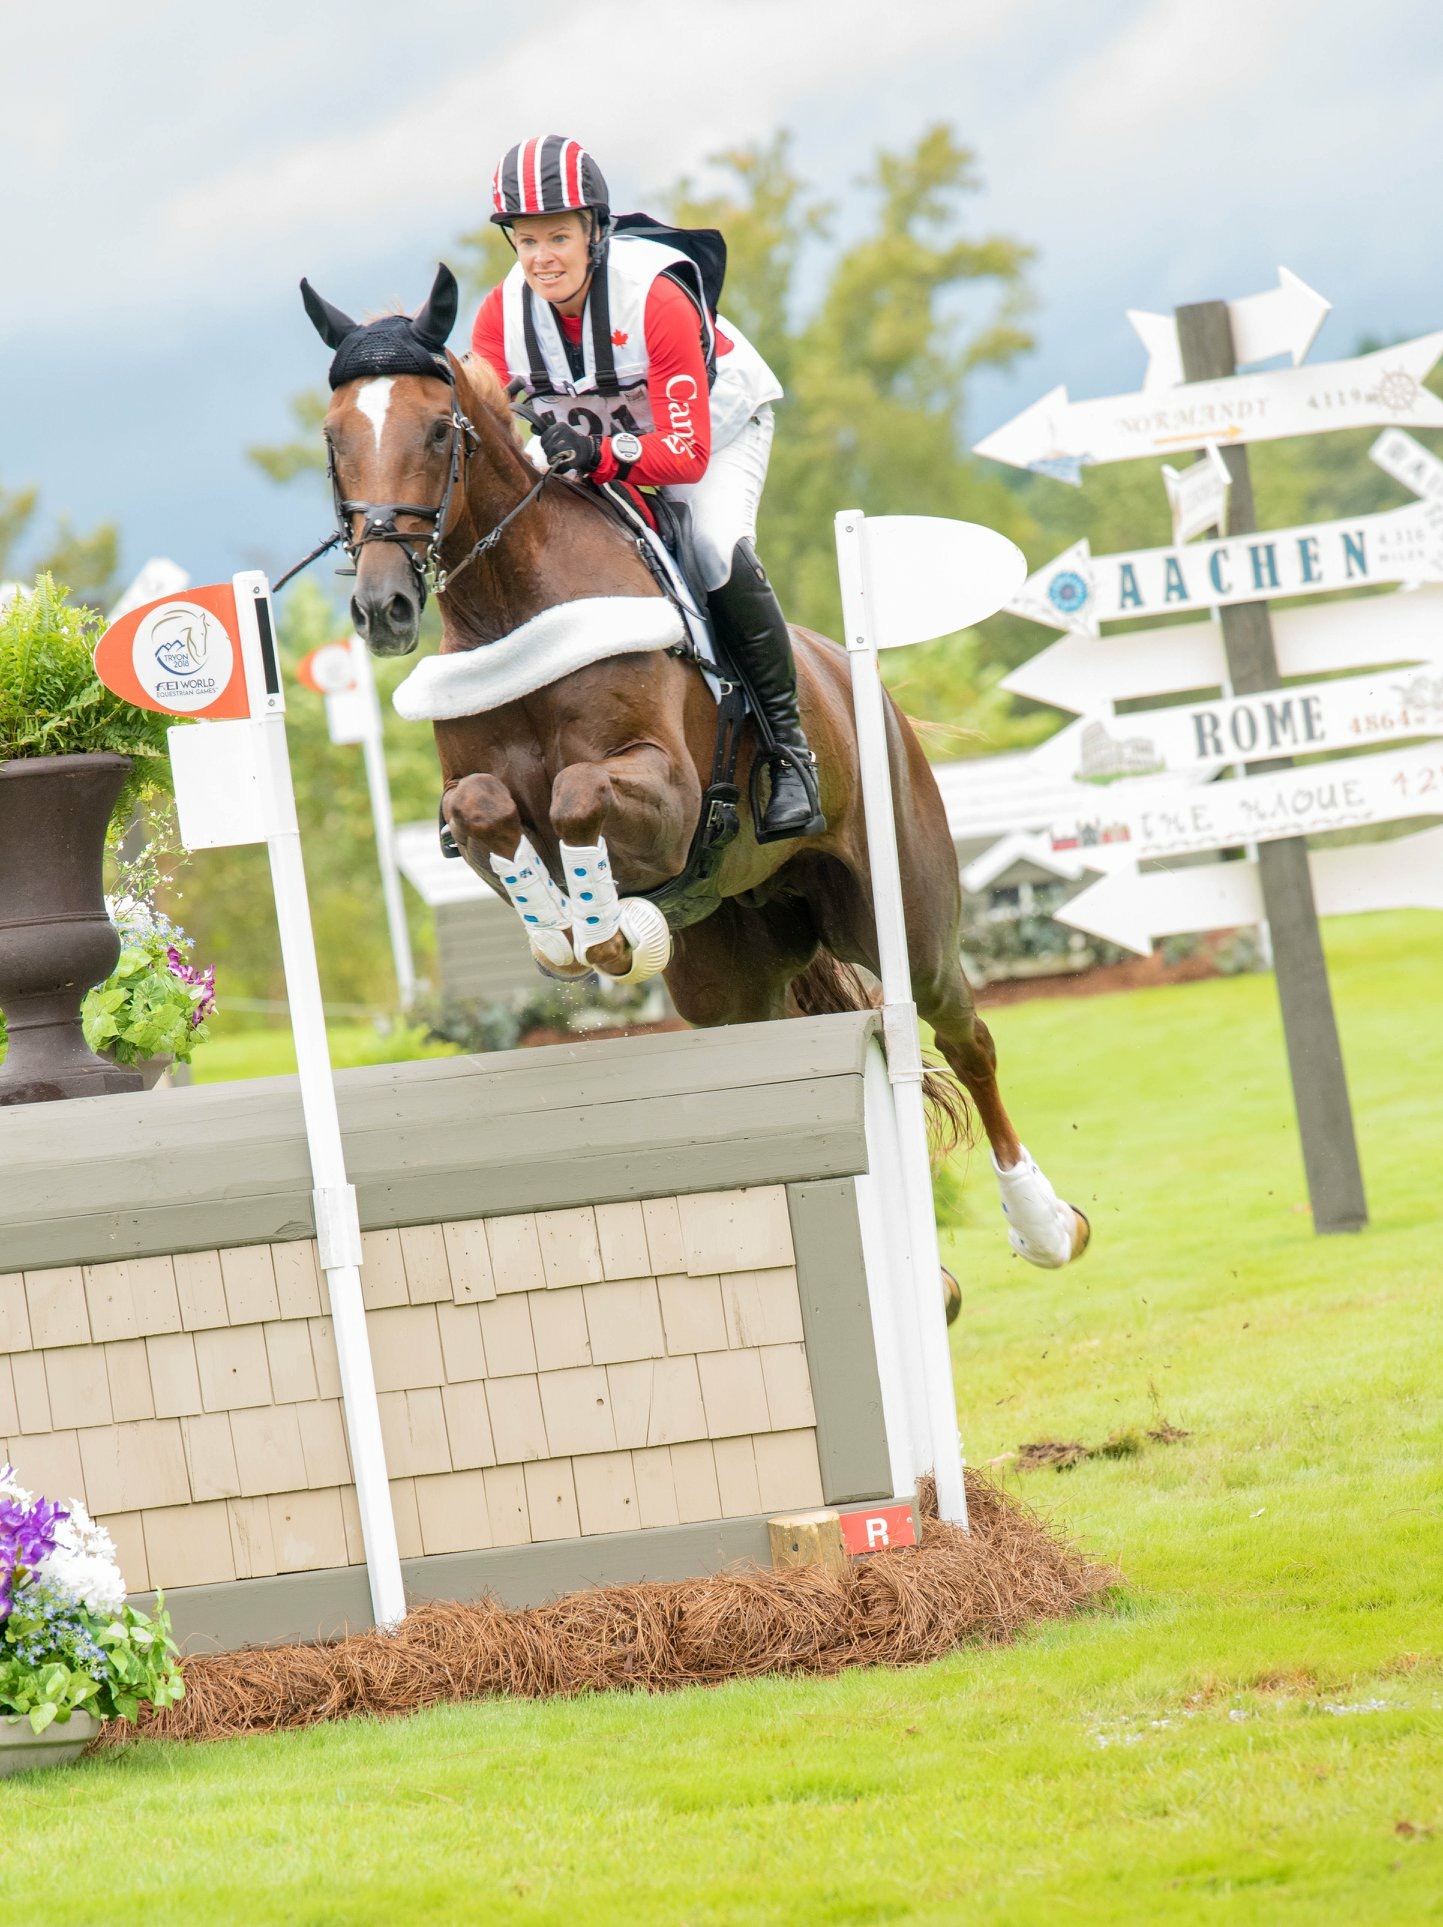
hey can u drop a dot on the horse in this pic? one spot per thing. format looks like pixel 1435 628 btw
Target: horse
pixel 432 488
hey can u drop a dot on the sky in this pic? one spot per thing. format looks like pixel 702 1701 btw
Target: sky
pixel 172 171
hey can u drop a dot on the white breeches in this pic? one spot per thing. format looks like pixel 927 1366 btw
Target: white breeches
pixel 724 502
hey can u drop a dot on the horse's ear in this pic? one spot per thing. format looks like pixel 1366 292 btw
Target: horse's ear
pixel 329 323
pixel 433 323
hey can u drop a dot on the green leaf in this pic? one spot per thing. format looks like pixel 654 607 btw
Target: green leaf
pixel 43 1715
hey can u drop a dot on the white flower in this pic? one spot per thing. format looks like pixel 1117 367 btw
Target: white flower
pixel 84 1563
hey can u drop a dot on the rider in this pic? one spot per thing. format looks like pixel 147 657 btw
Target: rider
pixel 639 383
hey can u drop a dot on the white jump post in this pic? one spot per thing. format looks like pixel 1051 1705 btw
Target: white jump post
pixel 906 579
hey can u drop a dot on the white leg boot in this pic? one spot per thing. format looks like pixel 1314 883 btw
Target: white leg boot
pixel 597 913
pixel 1040 1227
pixel 540 905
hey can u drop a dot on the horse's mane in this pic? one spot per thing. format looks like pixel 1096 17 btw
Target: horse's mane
pixel 488 389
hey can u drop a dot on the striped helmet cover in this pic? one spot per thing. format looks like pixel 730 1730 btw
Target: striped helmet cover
pixel 547 174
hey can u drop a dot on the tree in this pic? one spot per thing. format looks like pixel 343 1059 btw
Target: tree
pixel 85 564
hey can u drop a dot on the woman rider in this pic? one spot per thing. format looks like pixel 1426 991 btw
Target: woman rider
pixel 611 337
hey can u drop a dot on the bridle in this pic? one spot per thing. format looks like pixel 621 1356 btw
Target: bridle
pixel 422 551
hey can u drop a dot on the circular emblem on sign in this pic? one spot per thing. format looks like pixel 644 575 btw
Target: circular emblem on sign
pixel 332 668
pixel 1067 592
pixel 1398 391
pixel 183 656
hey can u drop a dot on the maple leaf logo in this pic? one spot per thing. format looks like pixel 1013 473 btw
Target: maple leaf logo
pixel 619 338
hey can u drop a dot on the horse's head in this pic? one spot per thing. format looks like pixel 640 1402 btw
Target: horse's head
pixel 394 449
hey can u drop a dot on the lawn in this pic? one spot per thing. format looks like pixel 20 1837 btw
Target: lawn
pixel 240 1049
pixel 1252 1730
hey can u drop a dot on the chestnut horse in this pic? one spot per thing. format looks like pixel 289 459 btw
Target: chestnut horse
pixel 616 750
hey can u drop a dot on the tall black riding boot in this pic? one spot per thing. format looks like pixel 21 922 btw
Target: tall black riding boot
pixel 754 629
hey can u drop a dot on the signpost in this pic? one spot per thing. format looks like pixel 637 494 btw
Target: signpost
pixel 906 579
pixel 1281 321
pixel 212 656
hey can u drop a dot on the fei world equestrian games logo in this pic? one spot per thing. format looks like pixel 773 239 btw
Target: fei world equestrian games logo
pixel 183 656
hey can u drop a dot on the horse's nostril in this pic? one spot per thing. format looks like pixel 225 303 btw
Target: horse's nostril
pixel 400 612
pixel 360 616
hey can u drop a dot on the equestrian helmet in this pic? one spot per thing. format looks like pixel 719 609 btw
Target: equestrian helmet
pixel 548 174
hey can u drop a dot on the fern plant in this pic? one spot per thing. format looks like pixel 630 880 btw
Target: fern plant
pixel 52 703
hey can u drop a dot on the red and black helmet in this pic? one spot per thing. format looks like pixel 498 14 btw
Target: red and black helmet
pixel 548 174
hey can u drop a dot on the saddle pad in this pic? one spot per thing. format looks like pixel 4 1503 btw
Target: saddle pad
pixel 567 637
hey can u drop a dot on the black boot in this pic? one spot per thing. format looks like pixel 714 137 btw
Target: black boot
pixel 754 631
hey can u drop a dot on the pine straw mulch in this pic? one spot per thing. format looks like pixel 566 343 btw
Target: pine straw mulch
pixel 894 1608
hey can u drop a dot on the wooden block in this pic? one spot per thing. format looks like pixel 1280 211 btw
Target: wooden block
pixel 49 1463
pixel 655 1487
pixel 762 1307
pixel 428 1271
pixel 462 1353
pixel 126 1530
pixel 250 1284
pixel 506 1505
pixel 692 1314
pixel 108 1301
pixel 788 1474
pixel 515 1253
pixel 268 1452
pixel 289 1361
pixel 298 1278
pixel 468 1425
pixel 606 1497
pixel 413 1427
pixel 14 1313
pixel 551 1500
pixel 570 1252
pixel 468 1258
pixel 734 1393
pixel 154 1300
pixel 506 1334
pixel 210 1456
pixel 234 1370
pixel 736 1478
pixel 134 1468
pixel 323 1356
pixel 383 1271
pixel 174 1376
pixel 188 1545
pixel 665 1249
pixel 308 1531
pixel 517 1427
pixel 32 1394
pixel 789 1387
pixel 621 1235
pixel 128 1369
pixel 56 1300
pixel 739 1230
pixel 9 1411
pixel 808 1539
pixel 405 1347
pixel 323 1443
pixel 408 1519
pixel 576 1406
pixel 624 1320
pixel 452 1511
pixel 79 1392
pixel 559 1329
pixel 253 1544
pixel 693 1473
pixel 200 1290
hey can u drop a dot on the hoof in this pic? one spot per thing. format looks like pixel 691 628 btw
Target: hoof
pixel 1081 1231
pixel 553 953
pixel 952 1295
pixel 647 931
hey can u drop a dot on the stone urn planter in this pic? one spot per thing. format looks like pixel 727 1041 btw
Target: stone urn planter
pixel 56 938
pixel 22 1749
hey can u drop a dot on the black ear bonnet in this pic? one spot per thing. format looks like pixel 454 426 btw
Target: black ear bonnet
pixel 397 344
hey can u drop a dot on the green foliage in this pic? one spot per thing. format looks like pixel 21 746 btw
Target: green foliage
pixel 306 454
pixel 89 563
pixel 138 1661
pixel 17 511
pixel 550 1005
pixel 52 703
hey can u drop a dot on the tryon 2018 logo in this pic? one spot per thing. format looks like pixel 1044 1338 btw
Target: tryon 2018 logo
pixel 183 656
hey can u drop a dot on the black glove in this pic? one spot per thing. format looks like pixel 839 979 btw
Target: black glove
pixel 568 451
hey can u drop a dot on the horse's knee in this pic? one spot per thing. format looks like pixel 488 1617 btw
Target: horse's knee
pixel 481 810
pixel 580 799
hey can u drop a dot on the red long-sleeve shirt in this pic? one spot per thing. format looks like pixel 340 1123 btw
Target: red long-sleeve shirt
pixel 679 453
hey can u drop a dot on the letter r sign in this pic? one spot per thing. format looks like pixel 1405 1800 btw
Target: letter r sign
pixel 879 1530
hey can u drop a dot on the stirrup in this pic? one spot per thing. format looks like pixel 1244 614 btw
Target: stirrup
pixel 804 763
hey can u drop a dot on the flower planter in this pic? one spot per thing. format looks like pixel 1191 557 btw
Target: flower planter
pixel 22 1749
pixel 56 939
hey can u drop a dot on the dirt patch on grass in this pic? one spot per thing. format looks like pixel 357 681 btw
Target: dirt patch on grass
pixel 895 1608
pixel 1105 980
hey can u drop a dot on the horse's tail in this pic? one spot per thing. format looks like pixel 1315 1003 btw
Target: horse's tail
pixel 828 986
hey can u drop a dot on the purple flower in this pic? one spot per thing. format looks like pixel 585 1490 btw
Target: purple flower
pixel 28 1533
pixel 201 980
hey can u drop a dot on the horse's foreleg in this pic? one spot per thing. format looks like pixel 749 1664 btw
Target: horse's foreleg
pixel 626 938
pixel 486 824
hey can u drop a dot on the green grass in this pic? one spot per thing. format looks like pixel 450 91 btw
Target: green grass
pixel 269 1050
pixel 1172 1757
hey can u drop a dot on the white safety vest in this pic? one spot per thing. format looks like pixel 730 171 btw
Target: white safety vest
pixel 743 381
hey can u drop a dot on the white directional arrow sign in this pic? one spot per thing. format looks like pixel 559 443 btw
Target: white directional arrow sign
pixel 1078 591
pixel 1410 463
pixel 1282 321
pixel 1136 908
pixel 1081 673
pixel 1055 434
pixel 1132 825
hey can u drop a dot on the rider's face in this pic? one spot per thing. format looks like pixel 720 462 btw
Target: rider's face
pixel 552 250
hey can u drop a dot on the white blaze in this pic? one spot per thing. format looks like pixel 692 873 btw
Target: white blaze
pixel 373 401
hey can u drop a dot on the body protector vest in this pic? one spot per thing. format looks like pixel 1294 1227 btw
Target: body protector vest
pixel 610 394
